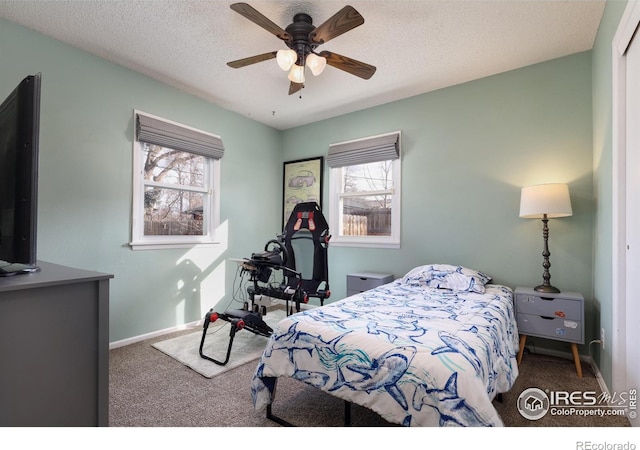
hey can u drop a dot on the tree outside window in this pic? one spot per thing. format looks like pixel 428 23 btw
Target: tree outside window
pixel 174 192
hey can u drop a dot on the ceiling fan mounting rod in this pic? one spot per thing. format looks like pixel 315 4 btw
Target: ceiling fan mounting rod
pixel 300 41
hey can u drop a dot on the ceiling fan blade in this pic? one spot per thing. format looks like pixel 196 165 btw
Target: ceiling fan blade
pixel 295 87
pixel 344 20
pixel 251 60
pixel 258 18
pixel 354 67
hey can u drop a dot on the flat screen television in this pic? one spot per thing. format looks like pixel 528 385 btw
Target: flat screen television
pixel 19 141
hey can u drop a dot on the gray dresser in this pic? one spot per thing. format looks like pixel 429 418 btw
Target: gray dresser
pixel 54 348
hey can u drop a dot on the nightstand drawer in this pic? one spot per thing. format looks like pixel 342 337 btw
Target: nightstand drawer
pixel 562 308
pixel 548 327
pixel 360 282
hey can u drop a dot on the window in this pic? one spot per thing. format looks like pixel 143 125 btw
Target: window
pixel 175 184
pixel 364 207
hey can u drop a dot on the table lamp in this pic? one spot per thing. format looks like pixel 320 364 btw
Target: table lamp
pixel 545 201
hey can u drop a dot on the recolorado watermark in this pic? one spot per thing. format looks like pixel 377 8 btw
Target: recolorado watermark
pixel 535 403
pixel 590 445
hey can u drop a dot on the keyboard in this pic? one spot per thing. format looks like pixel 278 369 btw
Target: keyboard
pixel 8 269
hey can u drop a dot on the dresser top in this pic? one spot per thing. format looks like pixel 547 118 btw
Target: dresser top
pixel 50 275
pixel 370 275
pixel 563 294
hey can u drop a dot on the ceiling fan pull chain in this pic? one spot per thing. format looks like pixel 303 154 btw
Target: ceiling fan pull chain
pixel 304 68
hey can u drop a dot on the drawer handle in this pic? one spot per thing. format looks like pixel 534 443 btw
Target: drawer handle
pixel 547 298
pixel 363 278
pixel 547 317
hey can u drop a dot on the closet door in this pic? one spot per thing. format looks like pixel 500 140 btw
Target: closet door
pixel 632 194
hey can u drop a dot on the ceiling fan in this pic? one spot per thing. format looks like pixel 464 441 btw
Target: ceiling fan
pixel 302 38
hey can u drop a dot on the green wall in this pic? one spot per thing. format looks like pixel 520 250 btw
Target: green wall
pixel 603 183
pixel 467 151
pixel 86 182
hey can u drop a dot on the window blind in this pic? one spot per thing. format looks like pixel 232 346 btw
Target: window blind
pixel 165 134
pixel 363 151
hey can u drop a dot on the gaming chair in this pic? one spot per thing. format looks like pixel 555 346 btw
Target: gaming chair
pixel 305 223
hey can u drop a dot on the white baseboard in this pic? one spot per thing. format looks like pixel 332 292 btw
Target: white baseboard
pixel 600 379
pixel 275 304
pixel 557 354
pixel 153 334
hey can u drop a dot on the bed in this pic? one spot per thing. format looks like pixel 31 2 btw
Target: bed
pixel 432 348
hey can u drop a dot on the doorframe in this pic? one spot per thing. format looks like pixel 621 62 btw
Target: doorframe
pixel 626 29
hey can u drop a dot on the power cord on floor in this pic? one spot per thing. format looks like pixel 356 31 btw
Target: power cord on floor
pixel 595 341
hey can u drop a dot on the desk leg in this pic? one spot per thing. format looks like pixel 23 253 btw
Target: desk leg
pixel 523 341
pixel 576 359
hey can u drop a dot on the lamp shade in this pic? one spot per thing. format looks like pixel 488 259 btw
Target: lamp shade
pixel 316 63
pixel 297 74
pixel 286 58
pixel 551 199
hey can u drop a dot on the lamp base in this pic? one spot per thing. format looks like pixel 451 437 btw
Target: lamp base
pixel 547 288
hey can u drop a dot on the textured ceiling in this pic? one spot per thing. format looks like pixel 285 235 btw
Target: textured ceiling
pixel 417 46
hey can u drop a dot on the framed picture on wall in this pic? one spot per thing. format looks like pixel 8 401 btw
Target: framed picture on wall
pixel 302 183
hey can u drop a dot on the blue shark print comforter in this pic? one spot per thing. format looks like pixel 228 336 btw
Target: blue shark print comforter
pixel 416 355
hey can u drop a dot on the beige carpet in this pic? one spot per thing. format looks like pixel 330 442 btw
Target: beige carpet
pixel 246 347
pixel 149 389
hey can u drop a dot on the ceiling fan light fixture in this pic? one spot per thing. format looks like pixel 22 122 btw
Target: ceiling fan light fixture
pixel 316 63
pixel 297 74
pixel 286 58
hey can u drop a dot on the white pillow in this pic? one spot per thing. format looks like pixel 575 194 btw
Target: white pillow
pixel 447 276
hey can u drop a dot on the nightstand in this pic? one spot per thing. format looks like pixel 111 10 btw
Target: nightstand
pixel 360 282
pixel 551 316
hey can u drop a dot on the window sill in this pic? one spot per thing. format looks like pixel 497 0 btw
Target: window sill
pixel 341 242
pixel 170 245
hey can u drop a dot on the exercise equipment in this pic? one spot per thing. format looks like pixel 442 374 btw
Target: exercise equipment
pixel 306 224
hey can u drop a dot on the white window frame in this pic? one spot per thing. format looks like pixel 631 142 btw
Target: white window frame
pixel 335 200
pixel 211 204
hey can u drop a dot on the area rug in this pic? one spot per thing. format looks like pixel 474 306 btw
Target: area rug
pixel 247 346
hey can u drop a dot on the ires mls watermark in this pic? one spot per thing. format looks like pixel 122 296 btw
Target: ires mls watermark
pixel 534 403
